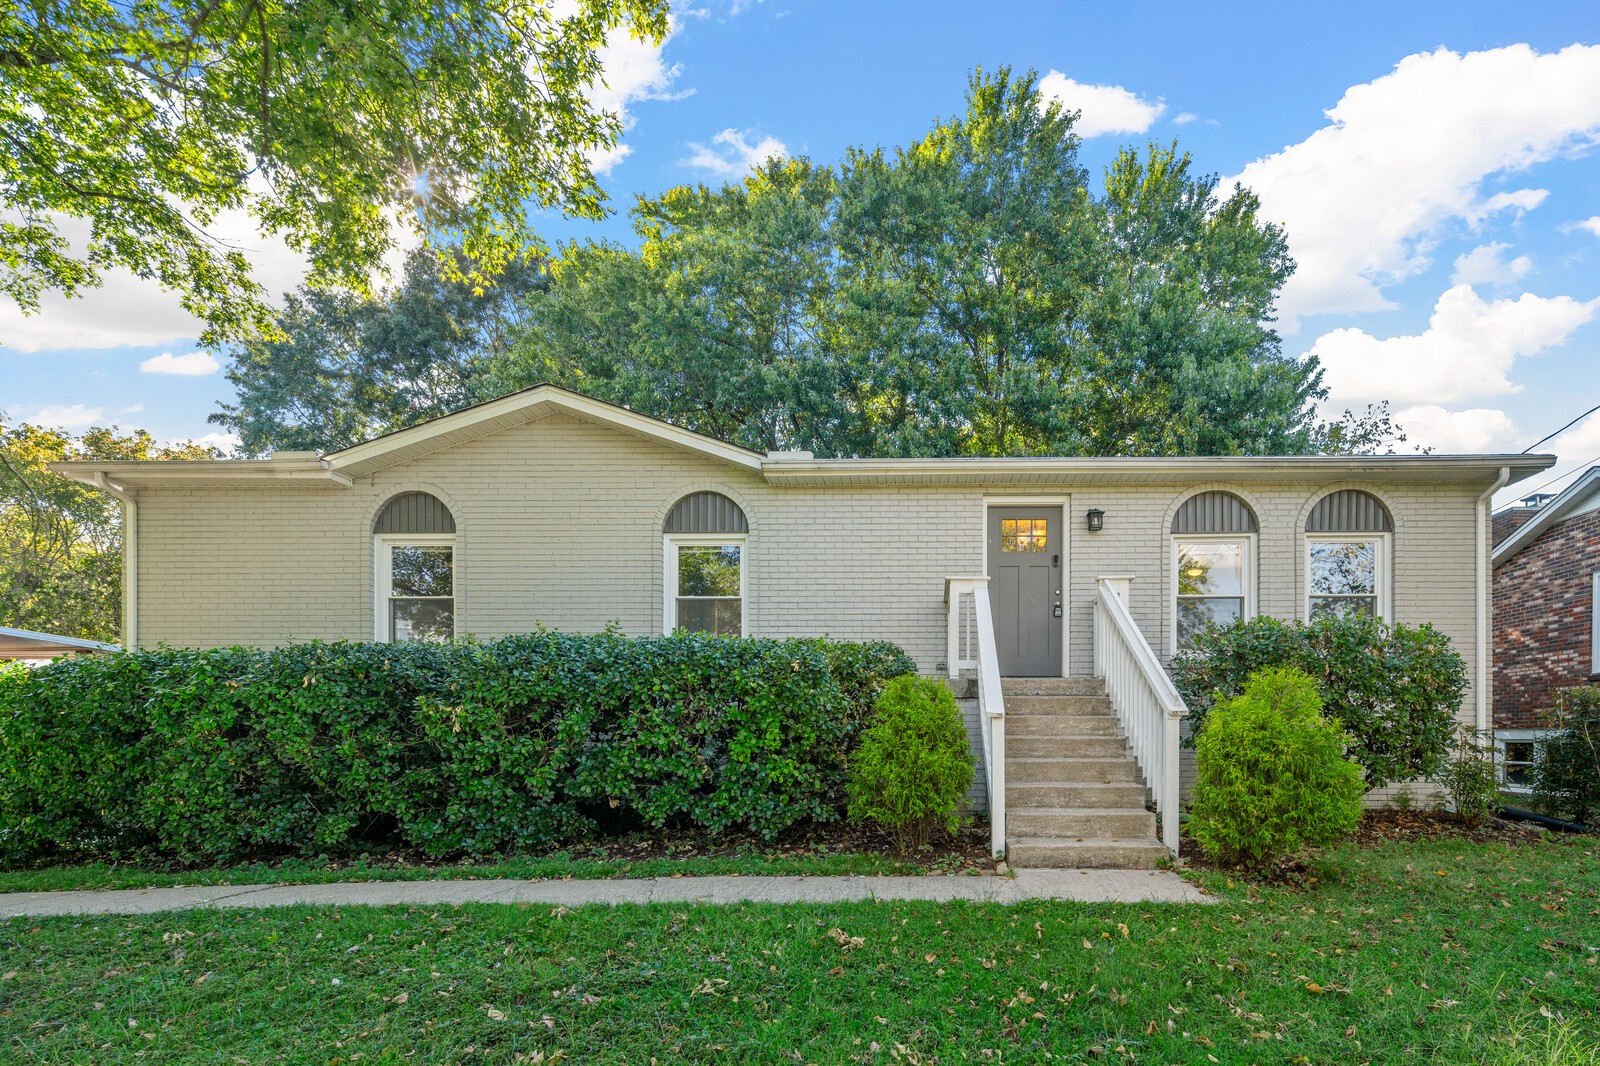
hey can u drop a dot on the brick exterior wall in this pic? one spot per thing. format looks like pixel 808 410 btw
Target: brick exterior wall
pixel 1543 618
pixel 1509 521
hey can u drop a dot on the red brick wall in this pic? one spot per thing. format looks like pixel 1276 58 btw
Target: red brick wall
pixel 1505 523
pixel 1543 614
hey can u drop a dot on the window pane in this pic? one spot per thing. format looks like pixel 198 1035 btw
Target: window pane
pixel 1518 762
pixel 1195 615
pixel 708 571
pixel 1024 534
pixel 1342 606
pixel 720 616
pixel 422 619
pixel 1344 567
pixel 422 571
pixel 1211 568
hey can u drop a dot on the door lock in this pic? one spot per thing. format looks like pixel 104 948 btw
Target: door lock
pixel 1058 610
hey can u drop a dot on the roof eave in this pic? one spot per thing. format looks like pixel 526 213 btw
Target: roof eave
pixel 131 473
pixel 1030 470
pixel 1548 515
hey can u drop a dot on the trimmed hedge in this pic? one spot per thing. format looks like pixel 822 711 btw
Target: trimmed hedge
pixel 1395 689
pixel 451 748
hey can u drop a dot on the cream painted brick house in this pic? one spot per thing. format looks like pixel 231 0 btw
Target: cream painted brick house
pixel 550 508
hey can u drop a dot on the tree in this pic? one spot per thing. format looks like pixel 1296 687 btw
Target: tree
pixel 61 541
pixel 967 295
pixel 350 367
pixel 329 123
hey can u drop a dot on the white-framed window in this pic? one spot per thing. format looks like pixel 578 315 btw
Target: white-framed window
pixel 705 583
pixel 1516 753
pixel 1347 574
pixel 1213 582
pixel 416 586
pixel 1594 624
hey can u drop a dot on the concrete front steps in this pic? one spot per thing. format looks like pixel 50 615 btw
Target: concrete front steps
pixel 1074 797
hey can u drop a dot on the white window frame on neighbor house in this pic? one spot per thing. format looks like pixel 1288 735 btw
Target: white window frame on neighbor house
pixel 1594 624
pixel 1380 566
pixel 1247 579
pixel 671 542
pixel 1515 736
pixel 383 545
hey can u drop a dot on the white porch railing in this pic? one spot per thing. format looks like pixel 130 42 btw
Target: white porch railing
pixel 972 647
pixel 1146 703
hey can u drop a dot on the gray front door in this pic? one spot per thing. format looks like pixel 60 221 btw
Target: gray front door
pixel 1025 585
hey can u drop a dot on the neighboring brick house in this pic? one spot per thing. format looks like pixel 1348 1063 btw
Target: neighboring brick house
pixel 1546 626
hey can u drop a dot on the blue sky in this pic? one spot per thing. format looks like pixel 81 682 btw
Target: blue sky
pixel 1437 166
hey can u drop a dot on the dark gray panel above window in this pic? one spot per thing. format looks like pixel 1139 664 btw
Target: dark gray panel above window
pixel 1214 512
pixel 706 512
pixel 1349 511
pixel 415 512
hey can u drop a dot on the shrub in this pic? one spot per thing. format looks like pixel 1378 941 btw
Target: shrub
pixel 466 747
pixel 1395 689
pixel 1272 776
pixel 1469 776
pixel 1566 779
pixel 914 765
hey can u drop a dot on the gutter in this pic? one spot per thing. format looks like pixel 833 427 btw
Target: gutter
pixel 1481 687
pixel 130 557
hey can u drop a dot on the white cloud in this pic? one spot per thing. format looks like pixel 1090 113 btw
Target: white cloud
pixel 1410 152
pixel 634 70
pixel 131 409
pixel 1456 432
pixel 75 416
pixel 1487 265
pixel 223 442
pixel 1106 108
pixel 1592 225
pixel 192 365
pixel 129 310
pixel 733 152
pixel 1466 352
pixel 1183 118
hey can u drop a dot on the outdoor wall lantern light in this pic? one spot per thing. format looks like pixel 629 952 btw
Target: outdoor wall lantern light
pixel 1097 519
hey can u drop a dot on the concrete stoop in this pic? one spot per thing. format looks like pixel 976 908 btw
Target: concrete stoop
pixel 1074 797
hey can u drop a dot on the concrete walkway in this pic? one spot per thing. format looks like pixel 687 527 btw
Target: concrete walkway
pixel 1089 886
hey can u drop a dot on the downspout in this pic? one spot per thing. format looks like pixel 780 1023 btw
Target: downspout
pixel 130 558
pixel 1481 686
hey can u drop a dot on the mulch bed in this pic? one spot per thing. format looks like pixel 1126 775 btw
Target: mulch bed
pixel 1384 827
pixel 968 850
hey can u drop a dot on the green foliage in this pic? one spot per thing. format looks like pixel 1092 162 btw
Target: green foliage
pixel 914 765
pixel 353 367
pixel 1272 776
pixel 1566 781
pixel 1396 689
pixel 456 748
pixel 331 125
pixel 60 540
pixel 1469 776
pixel 972 294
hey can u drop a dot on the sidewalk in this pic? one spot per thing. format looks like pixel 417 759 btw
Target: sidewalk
pixel 1088 886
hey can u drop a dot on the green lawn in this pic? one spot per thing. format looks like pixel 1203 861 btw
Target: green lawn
pixel 1437 952
pixel 549 867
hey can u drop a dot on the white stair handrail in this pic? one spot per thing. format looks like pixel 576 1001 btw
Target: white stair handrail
pixel 1147 704
pixel 972 646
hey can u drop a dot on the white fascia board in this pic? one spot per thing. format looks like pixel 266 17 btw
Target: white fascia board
pixel 1577 498
pixel 546 396
pixel 1152 469
pixel 132 473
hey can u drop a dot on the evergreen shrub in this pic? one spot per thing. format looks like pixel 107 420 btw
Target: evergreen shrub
pixel 1272 775
pixel 461 748
pixel 1566 777
pixel 914 765
pixel 1395 689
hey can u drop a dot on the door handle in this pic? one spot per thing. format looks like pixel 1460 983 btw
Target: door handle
pixel 1058 610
